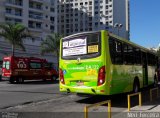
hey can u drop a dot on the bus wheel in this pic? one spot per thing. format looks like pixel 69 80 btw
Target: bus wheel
pixel 11 80
pixel 136 87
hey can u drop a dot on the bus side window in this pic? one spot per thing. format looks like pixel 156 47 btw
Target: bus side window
pixel 137 54
pixel 115 48
pixel 128 54
pixel 112 49
pixel 118 56
pixel 151 59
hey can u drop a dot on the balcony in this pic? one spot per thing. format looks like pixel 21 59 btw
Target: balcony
pixel 34 16
pixel 13 14
pixel 41 1
pixel 36 6
pixel 13 20
pixel 34 28
pixel 14 3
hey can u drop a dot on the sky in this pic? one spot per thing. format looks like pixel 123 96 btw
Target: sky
pixel 145 22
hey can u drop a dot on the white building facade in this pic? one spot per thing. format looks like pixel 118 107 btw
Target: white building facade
pixel 63 16
pixel 92 15
pixel 39 16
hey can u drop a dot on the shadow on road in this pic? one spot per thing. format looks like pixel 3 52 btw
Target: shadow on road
pixel 40 82
pixel 120 100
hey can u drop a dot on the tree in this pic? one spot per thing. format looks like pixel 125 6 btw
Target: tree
pixel 51 45
pixel 14 34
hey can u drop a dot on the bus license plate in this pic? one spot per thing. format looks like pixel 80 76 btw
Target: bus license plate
pixel 80 83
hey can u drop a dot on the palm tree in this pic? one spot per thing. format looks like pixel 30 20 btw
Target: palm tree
pixel 51 45
pixel 14 34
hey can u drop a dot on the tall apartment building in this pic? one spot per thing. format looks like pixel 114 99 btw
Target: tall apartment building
pixel 40 16
pixel 92 15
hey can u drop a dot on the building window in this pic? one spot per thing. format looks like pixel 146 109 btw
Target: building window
pixel 76 30
pixel 96 7
pixel 96 23
pixel 52 19
pixel 96 12
pixel 18 12
pixel 52 27
pixel 52 9
pixel 18 20
pixel 90 3
pixel 38 25
pixel 8 10
pixel 76 4
pixel 38 6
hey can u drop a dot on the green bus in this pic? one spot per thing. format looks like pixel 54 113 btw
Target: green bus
pixel 102 63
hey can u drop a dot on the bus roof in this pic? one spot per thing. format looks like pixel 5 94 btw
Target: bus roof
pixel 114 36
pixel 72 35
pixel 132 43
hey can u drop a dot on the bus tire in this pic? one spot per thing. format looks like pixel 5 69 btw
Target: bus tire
pixel 136 86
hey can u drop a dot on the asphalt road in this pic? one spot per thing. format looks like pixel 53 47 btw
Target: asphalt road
pixel 30 91
pixel 40 99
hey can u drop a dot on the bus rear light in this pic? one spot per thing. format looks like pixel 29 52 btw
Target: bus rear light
pixel 101 76
pixel 102 91
pixel 61 75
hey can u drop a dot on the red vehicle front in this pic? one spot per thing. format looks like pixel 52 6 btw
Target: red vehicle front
pixel 6 69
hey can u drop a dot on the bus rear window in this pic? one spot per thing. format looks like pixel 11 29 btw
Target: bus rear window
pixel 83 46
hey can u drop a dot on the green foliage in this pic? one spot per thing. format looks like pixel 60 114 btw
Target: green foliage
pixel 14 34
pixel 51 44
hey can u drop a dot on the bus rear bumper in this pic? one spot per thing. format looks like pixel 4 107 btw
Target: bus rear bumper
pixel 82 89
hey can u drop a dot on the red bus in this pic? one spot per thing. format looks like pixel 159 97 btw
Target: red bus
pixel 18 69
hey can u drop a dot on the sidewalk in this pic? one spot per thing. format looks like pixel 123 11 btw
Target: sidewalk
pixel 149 109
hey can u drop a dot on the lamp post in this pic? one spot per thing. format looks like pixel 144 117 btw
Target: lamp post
pixel 118 26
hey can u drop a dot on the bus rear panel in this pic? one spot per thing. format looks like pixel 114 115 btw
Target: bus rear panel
pixel 82 64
